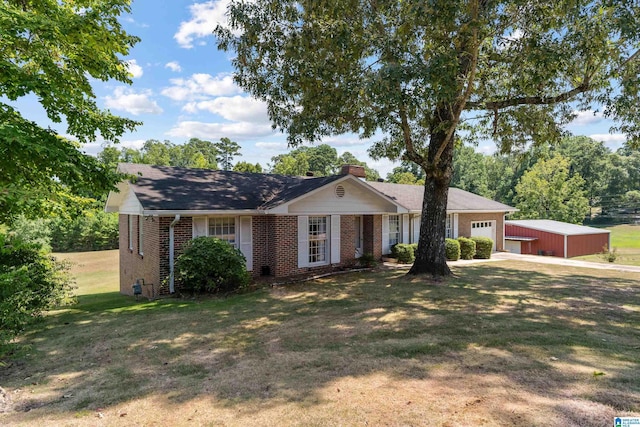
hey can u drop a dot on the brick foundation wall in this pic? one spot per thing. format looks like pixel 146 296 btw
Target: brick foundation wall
pixel 347 239
pixel 263 249
pixel 134 266
pixel 182 233
pixel 372 231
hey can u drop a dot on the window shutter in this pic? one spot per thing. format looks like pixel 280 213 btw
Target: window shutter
pixel 303 241
pixel 405 228
pixel 386 249
pixel 335 239
pixel 416 228
pixel 246 240
pixel 199 227
pixel 455 226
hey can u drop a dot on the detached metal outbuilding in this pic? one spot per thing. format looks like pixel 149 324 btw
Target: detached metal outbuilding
pixel 554 238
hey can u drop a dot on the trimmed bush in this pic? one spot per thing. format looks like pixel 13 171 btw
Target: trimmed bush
pixel 467 248
pixel 31 281
pixel 484 247
pixel 452 249
pixel 404 253
pixel 211 265
pixel 367 260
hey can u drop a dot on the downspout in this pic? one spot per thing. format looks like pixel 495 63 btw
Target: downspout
pixel 171 254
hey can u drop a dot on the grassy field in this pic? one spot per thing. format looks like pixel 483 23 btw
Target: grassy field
pixel 626 240
pixel 500 343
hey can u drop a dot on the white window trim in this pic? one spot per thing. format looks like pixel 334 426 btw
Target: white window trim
pixel 130 231
pixel 398 232
pixel 141 235
pixel 327 241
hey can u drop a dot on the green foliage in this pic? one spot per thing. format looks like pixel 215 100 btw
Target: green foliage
pixel 211 265
pixel 609 255
pixel 484 247
pixel 51 51
pixel 467 248
pixel 30 283
pixel 94 230
pixel 36 231
pixel 452 249
pixel 228 149
pixel 404 253
pixel 321 160
pixel 549 191
pixel 367 260
pixel 247 167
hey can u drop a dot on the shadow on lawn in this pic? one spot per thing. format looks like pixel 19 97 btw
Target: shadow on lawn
pixel 290 342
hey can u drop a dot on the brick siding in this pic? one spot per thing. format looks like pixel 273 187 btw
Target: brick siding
pixel 372 231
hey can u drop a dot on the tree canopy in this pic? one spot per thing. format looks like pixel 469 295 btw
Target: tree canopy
pixel 514 71
pixel 52 50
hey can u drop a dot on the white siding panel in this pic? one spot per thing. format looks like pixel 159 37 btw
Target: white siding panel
pixel 199 226
pixel 405 228
pixel 335 239
pixel 303 241
pixel 386 248
pixel 416 228
pixel 246 240
pixel 355 200
pixel 131 205
pixel 455 226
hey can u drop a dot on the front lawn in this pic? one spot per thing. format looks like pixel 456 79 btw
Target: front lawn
pixel 502 343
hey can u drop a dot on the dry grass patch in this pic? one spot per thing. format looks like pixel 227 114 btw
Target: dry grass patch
pixel 498 344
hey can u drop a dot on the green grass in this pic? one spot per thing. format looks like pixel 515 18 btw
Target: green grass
pixel 501 343
pixel 626 240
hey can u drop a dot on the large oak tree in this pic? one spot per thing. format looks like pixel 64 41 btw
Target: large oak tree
pixel 51 50
pixel 421 71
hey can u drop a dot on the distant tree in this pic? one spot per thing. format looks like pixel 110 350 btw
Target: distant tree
pixel 247 167
pixel 290 165
pixel 549 191
pixel 470 171
pixel 197 153
pixel 109 156
pixel 157 153
pixel 227 150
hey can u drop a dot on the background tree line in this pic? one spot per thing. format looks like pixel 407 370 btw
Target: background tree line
pixel 574 180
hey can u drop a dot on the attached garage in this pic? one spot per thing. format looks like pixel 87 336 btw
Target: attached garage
pixel 554 238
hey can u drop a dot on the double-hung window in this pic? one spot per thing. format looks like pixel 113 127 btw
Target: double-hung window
pixel 449 227
pixel 130 231
pixel 224 228
pixel 394 229
pixel 318 243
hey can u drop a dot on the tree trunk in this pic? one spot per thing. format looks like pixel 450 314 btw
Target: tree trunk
pixel 430 255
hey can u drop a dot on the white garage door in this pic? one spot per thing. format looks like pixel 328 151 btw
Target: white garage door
pixel 484 229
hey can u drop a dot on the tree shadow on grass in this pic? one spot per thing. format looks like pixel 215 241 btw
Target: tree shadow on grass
pixel 542 332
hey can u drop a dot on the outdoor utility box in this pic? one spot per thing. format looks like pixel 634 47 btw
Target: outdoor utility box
pixel 137 288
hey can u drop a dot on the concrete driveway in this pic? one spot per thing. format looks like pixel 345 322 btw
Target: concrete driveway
pixel 563 261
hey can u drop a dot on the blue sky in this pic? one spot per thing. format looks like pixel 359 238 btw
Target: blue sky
pixel 182 88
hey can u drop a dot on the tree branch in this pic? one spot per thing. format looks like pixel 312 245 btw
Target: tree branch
pixel 530 100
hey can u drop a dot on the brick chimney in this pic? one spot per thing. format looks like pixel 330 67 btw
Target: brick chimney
pixel 355 170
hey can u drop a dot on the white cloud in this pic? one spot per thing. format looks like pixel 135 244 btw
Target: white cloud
pixel 272 146
pixel 214 131
pixel 173 66
pixel 236 108
pixel 613 138
pixel 344 141
pixel 587 117
pixel 126 99
pixel 200 86
pixel 134 69
pixel 204 18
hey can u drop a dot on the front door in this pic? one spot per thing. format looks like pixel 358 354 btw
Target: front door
pixel 358 237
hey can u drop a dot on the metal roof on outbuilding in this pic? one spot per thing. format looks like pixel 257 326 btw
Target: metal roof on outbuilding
pixel 556 227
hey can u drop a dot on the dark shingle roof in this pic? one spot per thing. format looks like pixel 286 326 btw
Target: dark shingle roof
pixel 174 188
pixel 410 196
